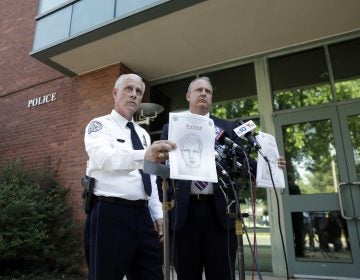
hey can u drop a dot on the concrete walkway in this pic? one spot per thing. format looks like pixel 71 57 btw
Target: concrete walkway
pixel 248 276
pixel 256 277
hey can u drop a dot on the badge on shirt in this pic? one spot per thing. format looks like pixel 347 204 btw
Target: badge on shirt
pixel 94 127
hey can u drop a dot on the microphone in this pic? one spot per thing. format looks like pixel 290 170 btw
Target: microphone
pixel 221 138
pixel 220 157
pixel 226 159
pixel 243 130
pixel 220 134
pixel 219 167
pixel 220 151
pixel 230 143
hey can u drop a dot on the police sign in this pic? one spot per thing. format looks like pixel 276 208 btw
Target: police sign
pixel 41 100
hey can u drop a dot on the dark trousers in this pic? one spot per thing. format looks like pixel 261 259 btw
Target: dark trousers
pixel 203 244
pixel 121 240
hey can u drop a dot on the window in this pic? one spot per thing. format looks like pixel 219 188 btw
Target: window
pixel 345 62
pixel 235 94
pixel 126 8
pixel 303 79
pixel 47 5
pixel 300 80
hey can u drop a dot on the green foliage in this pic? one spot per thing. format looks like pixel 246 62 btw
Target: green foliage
pixel 354 126
pixel 309 146
pixel 316 94
pixel 348 89
pixel 42 276
pixel 302 97
pixel 302 149
pixel 37 234
pixel 236 108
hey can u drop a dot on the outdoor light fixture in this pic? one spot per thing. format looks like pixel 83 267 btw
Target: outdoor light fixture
pixel 148 112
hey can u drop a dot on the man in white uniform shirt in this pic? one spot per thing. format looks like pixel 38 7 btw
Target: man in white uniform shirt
pixel 120 237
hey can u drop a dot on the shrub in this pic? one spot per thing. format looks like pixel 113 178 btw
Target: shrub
pixel 37 234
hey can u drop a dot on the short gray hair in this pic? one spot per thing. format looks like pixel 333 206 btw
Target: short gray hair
pixel 207 79
pixel 123 77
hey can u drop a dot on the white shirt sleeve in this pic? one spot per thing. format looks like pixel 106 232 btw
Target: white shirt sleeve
pixel 106 153
pixel 155 205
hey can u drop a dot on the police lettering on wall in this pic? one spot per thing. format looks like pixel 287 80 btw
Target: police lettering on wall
pixel 42 100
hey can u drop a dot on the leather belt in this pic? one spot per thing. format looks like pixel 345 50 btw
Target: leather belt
pixel 201 197
pixel 122 201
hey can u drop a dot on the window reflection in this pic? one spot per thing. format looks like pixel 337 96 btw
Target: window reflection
pixel 354 128
pixel 236 108
pixel 125 8
pixel 321 236
pixel 300 79
pixel 348 89
pixel 46 5
pixel 311 166
pixel 235 95
pixel 345 57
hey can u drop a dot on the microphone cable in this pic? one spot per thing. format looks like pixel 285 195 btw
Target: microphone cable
pixel 278 215
pixel 223 185
pixel 241 226
pixel 253 248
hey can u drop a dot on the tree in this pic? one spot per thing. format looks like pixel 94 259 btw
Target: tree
pixel 37 233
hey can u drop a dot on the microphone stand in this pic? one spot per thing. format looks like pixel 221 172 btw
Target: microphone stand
pixel 164 172
pixel 239 234
pixel 238 222
pixel 167 206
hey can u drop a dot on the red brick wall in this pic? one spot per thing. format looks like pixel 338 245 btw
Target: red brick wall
pixel 17 69
pixel 91 97
pixel 53 133
pixel 50 134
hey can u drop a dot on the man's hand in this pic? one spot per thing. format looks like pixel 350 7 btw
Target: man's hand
pixel 159 151
pixel 159 228
pixel 281 162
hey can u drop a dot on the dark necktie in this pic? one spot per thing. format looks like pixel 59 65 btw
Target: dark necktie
pixel 138 146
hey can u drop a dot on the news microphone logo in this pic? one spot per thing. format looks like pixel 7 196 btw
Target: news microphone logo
pixel 244 131
pixel 245 128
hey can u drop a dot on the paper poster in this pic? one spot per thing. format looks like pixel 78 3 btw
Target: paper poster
pixel 194 157
pixel 269 148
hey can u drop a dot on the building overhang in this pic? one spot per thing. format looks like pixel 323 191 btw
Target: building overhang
pixel 168 41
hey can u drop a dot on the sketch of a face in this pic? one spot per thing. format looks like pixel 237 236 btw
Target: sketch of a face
pixel 191 147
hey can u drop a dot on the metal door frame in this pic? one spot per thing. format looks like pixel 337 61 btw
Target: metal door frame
pixel 337 115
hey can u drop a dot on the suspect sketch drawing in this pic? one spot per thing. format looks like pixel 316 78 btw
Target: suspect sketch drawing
pixel 191 148
pixel 194 158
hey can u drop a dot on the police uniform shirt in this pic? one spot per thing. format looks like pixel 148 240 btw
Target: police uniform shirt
pixel 114 163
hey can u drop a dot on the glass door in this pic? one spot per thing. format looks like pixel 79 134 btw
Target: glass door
pixel 321 201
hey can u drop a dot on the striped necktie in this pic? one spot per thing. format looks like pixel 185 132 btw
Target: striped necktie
pixel 201 185
pixel 138 146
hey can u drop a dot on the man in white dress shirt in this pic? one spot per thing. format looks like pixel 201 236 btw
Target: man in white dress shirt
pixel 120 237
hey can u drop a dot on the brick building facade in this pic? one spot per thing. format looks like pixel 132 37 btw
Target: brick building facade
pixel 252 50
pixel 50 134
